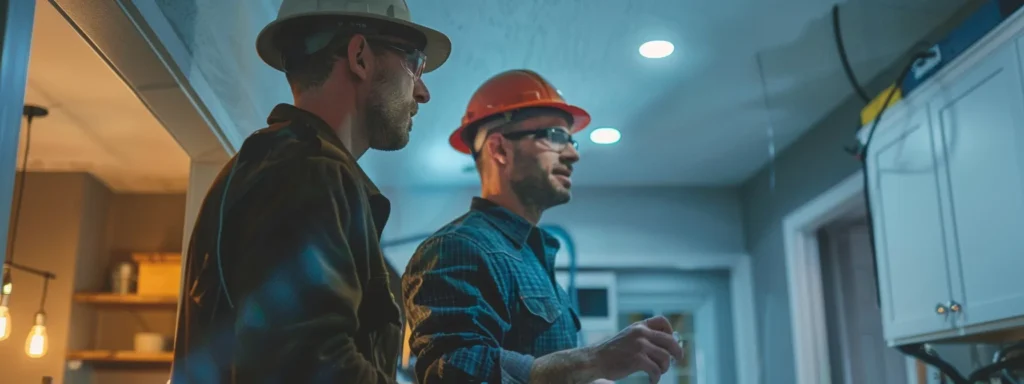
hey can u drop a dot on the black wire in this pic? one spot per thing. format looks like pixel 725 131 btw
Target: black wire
pixel 836 32
pixel 848 69
pixel 21 191
pixel 42 301
pixel 923 352
pixel 987 372
pixel 1001 355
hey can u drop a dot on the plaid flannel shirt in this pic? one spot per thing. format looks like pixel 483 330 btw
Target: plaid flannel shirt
pixel 482 302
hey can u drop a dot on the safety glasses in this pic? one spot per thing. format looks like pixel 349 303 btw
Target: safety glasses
pixel 557 138
pixel 415 59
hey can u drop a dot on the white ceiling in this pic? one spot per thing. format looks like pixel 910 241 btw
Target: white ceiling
pixel 698 117
pixel 96 123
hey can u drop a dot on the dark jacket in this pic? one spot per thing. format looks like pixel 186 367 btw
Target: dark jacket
pixel 482 302
pixel 301 294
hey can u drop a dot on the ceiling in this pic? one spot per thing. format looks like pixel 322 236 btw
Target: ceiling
pixel 747 78
pixel 743 71
pixel 96 123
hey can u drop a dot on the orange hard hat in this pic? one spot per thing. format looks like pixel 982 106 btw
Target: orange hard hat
pixel 511 91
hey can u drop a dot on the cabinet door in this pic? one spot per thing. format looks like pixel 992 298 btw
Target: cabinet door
pixel 980 118
pixel 908 225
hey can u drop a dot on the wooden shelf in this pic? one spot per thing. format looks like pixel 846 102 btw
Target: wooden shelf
pixel 129 299
pixel 121 356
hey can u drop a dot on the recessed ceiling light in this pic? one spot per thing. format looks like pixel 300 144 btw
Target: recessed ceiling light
pixel 656 49
pixel 605 136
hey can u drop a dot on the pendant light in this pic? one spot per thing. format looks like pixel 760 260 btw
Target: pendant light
pixel 37 343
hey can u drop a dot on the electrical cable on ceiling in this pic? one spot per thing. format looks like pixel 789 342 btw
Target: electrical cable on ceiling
pixel 847 69
pixel 921 351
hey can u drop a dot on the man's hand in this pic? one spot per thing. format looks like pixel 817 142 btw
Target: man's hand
pixel 644 346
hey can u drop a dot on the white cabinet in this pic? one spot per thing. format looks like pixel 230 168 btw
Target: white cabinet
pixel 979 116
pixel 946 173
pixel 913 273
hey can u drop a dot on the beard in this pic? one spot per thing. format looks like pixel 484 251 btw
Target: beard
pixel 388 120
pixel 533 186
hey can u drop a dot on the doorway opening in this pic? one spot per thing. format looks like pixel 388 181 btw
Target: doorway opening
pixel 857 349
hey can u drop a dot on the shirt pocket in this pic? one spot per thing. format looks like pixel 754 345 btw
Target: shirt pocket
pixel 544 310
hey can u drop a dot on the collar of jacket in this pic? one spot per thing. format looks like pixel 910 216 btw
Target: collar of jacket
pixel 515 227
pixel 332 147
pixel 329 141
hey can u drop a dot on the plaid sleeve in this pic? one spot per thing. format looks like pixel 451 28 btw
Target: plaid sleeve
pixel 457 314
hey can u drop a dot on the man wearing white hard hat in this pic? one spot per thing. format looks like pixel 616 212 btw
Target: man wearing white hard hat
pixel 285 281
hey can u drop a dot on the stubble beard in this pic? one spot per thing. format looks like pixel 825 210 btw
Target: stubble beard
pixel 534 187
pixel 387 115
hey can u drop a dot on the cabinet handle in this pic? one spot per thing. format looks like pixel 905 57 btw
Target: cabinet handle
pixel 941 309
pixel 954 306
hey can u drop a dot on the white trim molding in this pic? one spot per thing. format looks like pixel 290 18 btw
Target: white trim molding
pixel 803 266
pixel 741 289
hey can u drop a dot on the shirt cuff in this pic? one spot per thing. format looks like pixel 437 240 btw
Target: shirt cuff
pixel 515 367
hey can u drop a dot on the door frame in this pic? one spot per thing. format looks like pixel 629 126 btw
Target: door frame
pixel 803 267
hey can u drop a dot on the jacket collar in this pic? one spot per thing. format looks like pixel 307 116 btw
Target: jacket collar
pixel 329 141
pixel 331 146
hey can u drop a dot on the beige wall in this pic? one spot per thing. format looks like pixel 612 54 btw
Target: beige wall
pixel 74 226
pixel 49 237
pixel 138 223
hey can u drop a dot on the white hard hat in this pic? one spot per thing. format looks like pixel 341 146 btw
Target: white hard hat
pixel 437 48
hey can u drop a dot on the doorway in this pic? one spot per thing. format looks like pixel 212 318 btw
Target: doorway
pixel 809 298
pixel 857 349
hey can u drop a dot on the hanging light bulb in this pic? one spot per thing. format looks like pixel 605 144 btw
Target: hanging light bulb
pixel 37 343
pixel 5 322
pixel 8 286
pixel 5 311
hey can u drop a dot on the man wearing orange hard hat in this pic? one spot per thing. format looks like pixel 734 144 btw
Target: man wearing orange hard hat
pixel 481 301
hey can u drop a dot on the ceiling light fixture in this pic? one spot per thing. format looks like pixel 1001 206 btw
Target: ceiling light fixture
pixel 605 136
pixel 656 49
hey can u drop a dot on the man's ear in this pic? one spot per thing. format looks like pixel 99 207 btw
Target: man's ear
pixel 359 57
pixel 497 150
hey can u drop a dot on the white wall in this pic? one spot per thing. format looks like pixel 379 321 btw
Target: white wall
pixel 612 227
